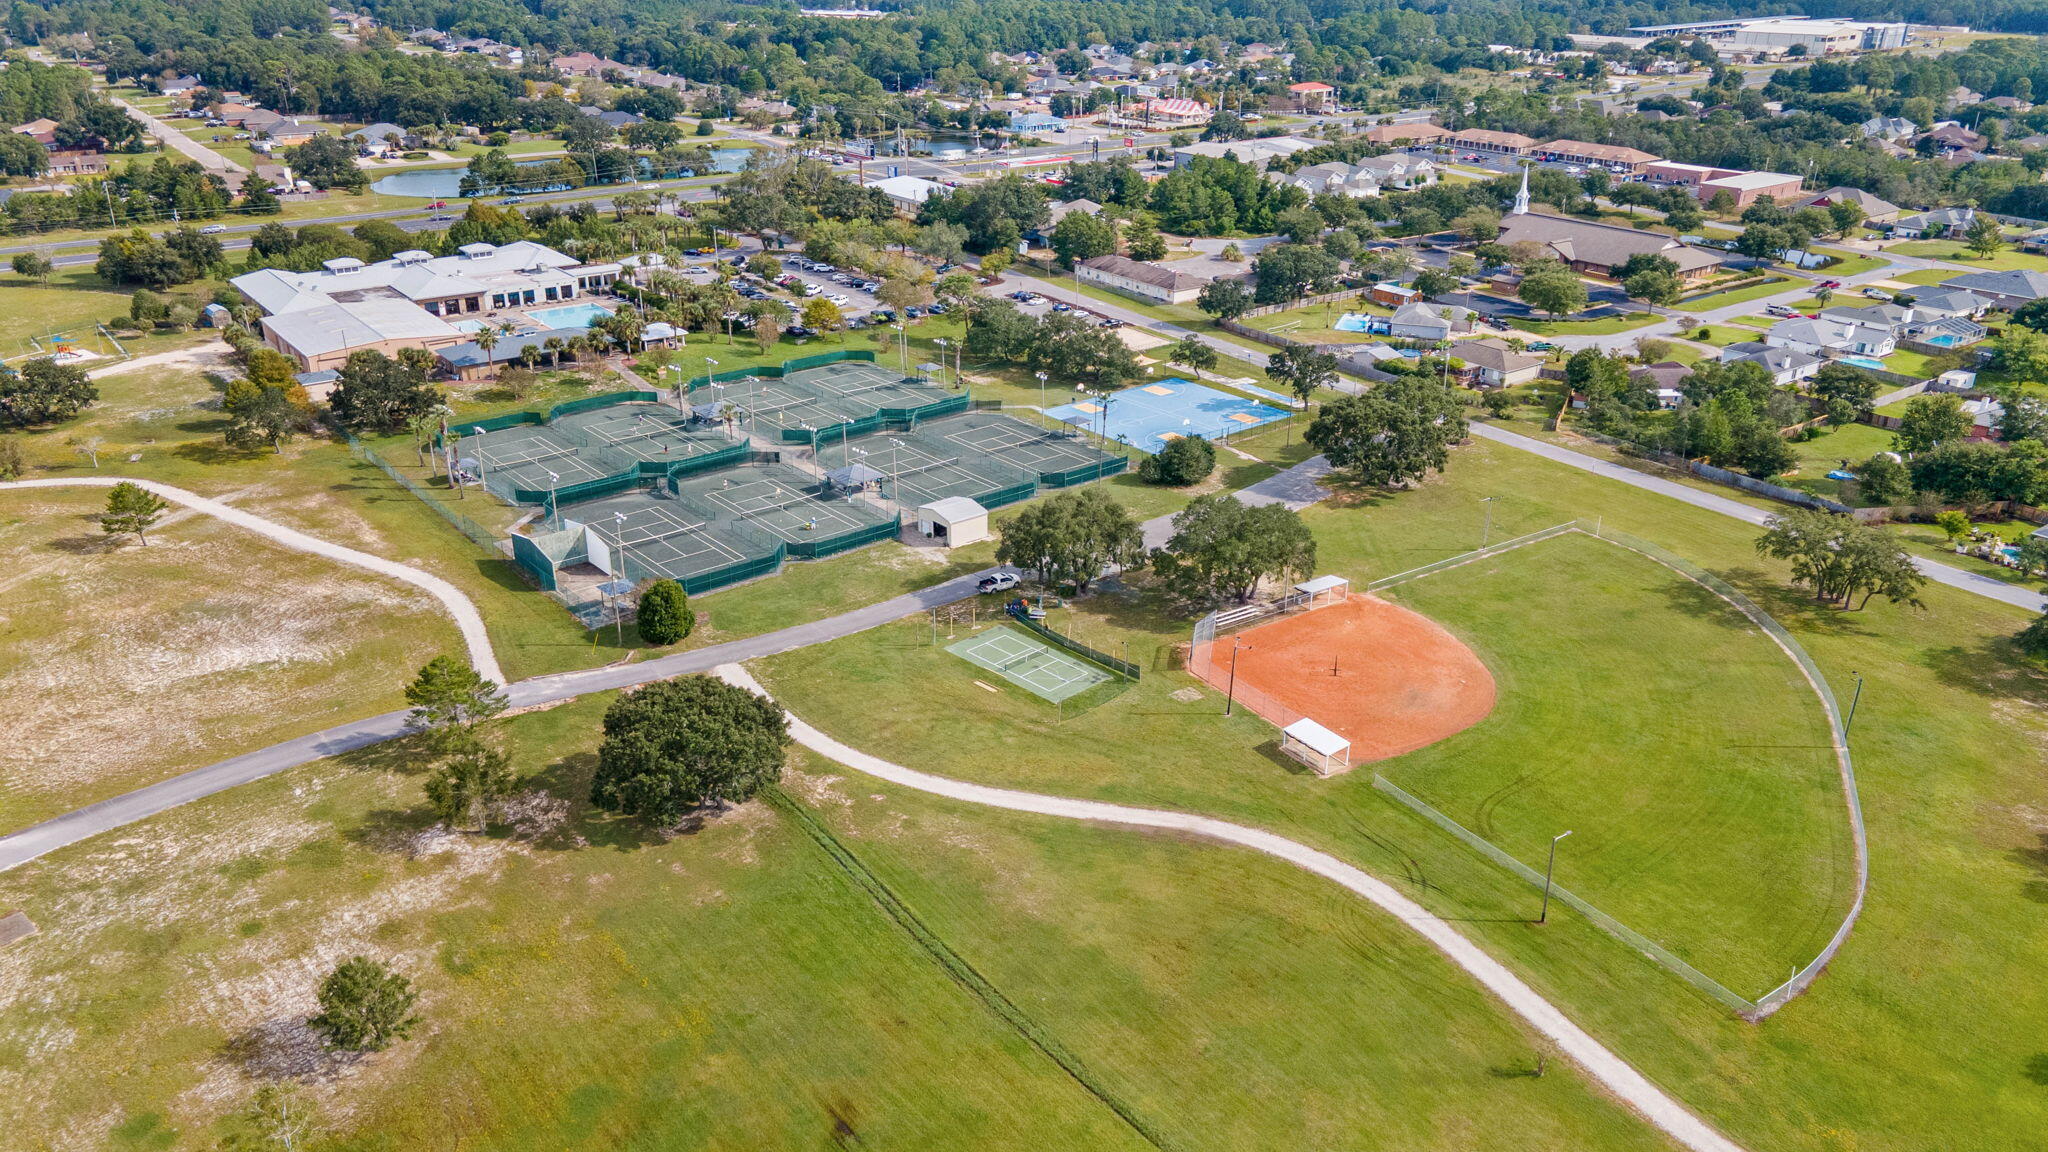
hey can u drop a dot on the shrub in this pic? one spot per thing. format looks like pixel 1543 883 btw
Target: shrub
pixel 1184 461
pixel 665 616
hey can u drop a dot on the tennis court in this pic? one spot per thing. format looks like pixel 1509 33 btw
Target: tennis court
pixel 647 537
pixel 869 382
pixel 1029 663
pixel 1047 455
pixel 644 432
pixel 1150 415
pixel 528 458
pixel 779 500
pixel 917 470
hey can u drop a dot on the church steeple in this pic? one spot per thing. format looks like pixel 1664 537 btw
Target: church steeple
pixel 1522 197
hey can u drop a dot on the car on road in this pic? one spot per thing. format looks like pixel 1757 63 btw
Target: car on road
pixel 650 187
pixel 1000 582
pixel 1778 310
pixel 1829 284
pixel 439 218
pixel 438 204
pixel 513 200
pixel 213 229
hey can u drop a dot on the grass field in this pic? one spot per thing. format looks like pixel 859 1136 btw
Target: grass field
pixel 1604 326
pixel 1769 287
pixel 1959 252
pixel 72 302
pixel 129 664
pixel 1682 748
pixel 1852 442
pixel 589 985
pixel 1923 1026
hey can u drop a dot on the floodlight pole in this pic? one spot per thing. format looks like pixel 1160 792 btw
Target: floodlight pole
pixel 1041 393
pixel 1853 701
pixel 1230 695
pixel 1548 869
pixel 1486 534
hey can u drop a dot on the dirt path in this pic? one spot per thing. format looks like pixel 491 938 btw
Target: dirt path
pixel 467 618
pixel 1610 1070
pixel 211 356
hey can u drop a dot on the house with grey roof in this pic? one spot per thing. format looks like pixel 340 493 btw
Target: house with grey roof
pixel 2007 289
pixel 1825 337
pixel 1941 223
pixel 1786 365
pixel 1943 301
pixel 1875 210
pixel 1491 363
pixel 1427 322
pixel 1599 249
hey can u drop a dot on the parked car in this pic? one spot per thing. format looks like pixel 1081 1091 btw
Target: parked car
pixel 1830 284
pixel 1000 582
pixel 439 218
pixel 213 229
pixel 1877 294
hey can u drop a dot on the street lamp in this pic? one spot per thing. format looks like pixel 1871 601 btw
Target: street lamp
pixel 1548 869
pixel 1230 696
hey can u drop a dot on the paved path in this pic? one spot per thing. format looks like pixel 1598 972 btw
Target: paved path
pixel 1610 1070
pixel 2014 594
pixel 471 622
pixel 186 146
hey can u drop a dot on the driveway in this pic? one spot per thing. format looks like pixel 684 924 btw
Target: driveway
pixel 191 149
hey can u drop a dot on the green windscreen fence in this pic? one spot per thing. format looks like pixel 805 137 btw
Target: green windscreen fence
pixel 1110 466
pixel 1022 615
pixel 846 541
pixel 786 368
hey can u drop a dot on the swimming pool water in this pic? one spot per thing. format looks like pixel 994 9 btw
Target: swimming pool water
pixel 1942 340
pixel 569 315
pixel 1864 362
pixel 1352 322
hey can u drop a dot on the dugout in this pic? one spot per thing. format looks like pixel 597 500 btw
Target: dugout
pixel 1316 746
pixel 954 521
pixel 1323 590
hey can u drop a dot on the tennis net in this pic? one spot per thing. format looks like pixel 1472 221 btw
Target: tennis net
pixel 669 531
pixel 741 507
pixel 533 458
pixel 927 466
pixel 1014 661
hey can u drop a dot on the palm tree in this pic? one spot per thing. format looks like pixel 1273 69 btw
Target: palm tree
pixel 554 346
pixel 487 339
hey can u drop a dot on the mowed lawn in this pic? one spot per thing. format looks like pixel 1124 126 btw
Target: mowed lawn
pixel 587 984
pixel 1680 746
pixel 1923 1026
pixel 126 664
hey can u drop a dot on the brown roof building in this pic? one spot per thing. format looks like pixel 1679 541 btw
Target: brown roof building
pixel 1630 160
pixel 1599 249
pixel 1423 133
pixel 1485 140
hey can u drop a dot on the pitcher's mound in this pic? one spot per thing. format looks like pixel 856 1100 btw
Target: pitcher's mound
pixel 1387 679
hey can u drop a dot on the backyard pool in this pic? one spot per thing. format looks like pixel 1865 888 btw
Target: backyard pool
pixel 1354 322
pixel 1864 362
pixel 569 315
pixel 1942 340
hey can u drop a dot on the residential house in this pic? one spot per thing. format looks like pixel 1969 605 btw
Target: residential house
pixel 1875 211
pixel 1335 178
pixel 1055 213
pixel 1664 379
pixel 1942 223
pixel 1786 365
pixel 374 139
pixel 178 86
pixel 42 130
pixel 75 162
pixel 282 131
pixel 1831 338
pixel 1890 317
pixel 1951 139
pixel 1491 363
pixel 1599 249
pixel 1888 128
pixel 1942 302
pixel 586 65
pixel 1143 281
pixel 1310 96
pixel 2005 289
pixel 1397 170
pixel 1427 322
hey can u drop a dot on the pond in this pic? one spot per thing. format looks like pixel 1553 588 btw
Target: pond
pixel 446 183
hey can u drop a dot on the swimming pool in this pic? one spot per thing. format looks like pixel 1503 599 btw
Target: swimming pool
pixel 1354 322
pixel 471 326
pixel 569 315
pixel 1942 340
pixel 1864 362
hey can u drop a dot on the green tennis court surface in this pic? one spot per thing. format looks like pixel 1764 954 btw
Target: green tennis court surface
pixel 1029 663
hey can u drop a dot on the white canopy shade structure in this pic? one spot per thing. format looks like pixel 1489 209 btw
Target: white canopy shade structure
pixel 1324 588
pixel 1316 746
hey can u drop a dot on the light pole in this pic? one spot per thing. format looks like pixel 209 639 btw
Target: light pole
pixel 1486 534
pixel 1548 869
pixel 1041 393
pixel 1853 701
pixel 554 508
pixel 1230 696
pixel 618 607
pixel 479 430
pixel 942 344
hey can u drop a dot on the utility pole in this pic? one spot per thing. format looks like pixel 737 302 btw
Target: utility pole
pixel 1548 870
pixel 1230 695
pixel 1486 534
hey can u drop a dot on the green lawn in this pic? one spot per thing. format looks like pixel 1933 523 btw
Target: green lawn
pixel 1661 853
pixel 1849 263
pixel 1921 1027
pixel 1928 276
pixel 1604 326
pixel 1769 287
pixel 593 985
pixel 1958 252
pixel 1854 443
pixel 1722 335
pixel 72 302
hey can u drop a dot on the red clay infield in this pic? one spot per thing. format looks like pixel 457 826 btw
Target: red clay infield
pixel 1387 679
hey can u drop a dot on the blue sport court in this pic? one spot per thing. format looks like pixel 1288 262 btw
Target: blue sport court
pixel 1149 415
